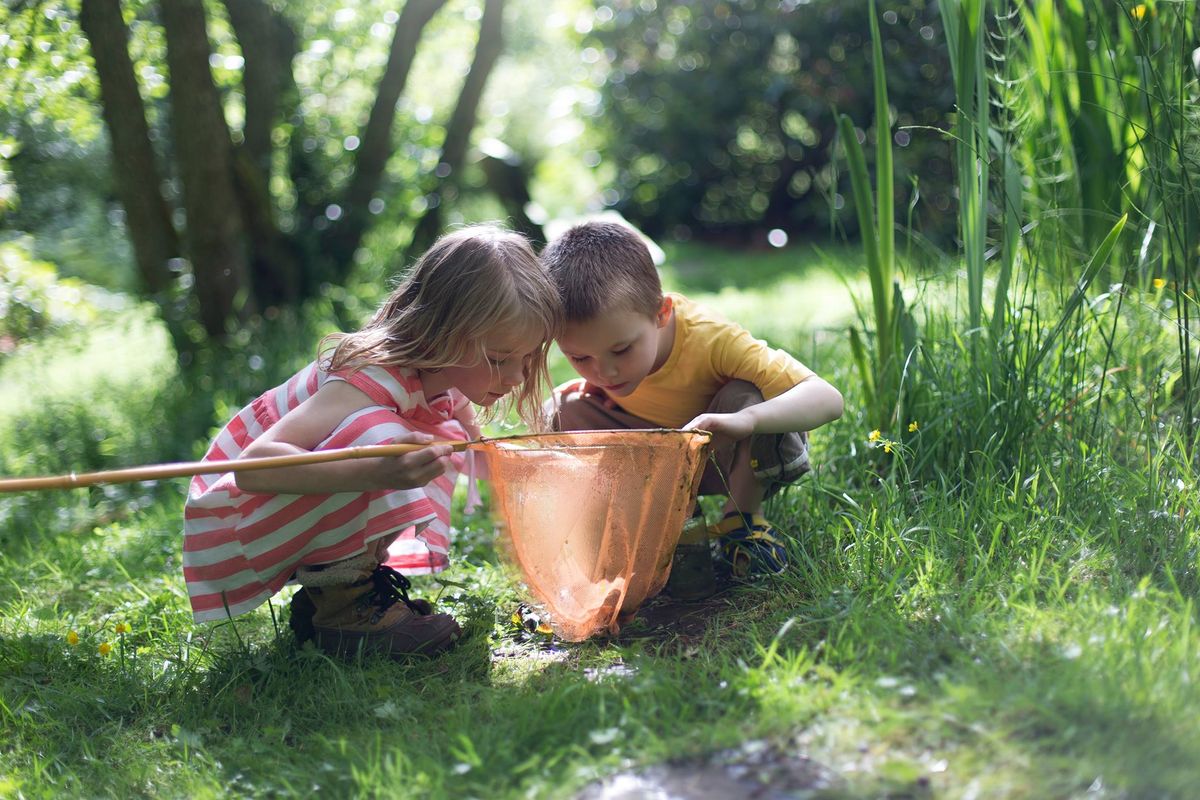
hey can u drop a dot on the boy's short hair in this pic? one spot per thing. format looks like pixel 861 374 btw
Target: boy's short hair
pixel 602 266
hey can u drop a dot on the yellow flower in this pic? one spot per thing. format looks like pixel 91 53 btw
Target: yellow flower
pixel 1139 11
pixel 1160 283
pixel 72 638
pixel 874 436
pixel 105 648
pixel 913 426
pixel 887 447
pixel 122 627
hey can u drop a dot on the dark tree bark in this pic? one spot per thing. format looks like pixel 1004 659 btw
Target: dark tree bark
pixel 462 122
pixel 138 179
pixel 215 235
pixel 508 178
pixel 241 261
pixel 343 238
pixel 268 46
pixel 277 273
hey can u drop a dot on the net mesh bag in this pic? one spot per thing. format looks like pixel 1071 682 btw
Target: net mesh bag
pixel 591 518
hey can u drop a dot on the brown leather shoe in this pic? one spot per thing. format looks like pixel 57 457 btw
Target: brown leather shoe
pixel 373 615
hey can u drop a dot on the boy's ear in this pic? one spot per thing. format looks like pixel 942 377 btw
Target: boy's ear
pixel 664 312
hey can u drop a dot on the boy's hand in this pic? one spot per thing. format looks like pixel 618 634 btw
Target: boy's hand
pixel 734 427
pixel 584 387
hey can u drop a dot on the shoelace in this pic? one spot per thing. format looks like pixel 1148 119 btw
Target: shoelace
pixel 388 586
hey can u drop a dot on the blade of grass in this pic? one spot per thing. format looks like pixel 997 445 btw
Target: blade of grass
pixel 1098 259
pixel 884 187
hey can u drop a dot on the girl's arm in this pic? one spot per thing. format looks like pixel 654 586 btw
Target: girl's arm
pixel 806 406
pixel 309 424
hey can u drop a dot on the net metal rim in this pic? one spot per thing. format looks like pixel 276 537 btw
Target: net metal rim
pixel 582 440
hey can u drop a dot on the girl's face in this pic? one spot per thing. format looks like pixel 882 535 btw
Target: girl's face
pixel 507 352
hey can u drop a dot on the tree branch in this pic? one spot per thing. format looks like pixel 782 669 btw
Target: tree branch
pixel 215 231
pixel 375 149
pixel 268 46
pixel 462 121
pixel 138 179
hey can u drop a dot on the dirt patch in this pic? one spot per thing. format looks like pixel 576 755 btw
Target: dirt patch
pixel 664 617
pixel 755 770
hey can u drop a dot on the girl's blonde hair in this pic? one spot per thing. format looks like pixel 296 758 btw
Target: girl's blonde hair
pixel 469 283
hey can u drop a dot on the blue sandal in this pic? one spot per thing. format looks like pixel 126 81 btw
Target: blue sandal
pixel 749 545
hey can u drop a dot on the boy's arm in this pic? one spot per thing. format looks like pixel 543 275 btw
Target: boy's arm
pixel 806 406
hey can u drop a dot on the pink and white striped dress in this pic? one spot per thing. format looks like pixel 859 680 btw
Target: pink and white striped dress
pixel 240 548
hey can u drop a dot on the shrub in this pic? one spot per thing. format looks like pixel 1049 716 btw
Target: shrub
pixel 34 300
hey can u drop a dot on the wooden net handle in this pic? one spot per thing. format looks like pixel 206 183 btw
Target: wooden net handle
pixel 189 468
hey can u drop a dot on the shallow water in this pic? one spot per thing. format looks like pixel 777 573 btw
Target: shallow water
pixel 755 770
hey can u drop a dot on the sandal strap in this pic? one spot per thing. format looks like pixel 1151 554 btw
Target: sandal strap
pixel 749 545
pixel 755 526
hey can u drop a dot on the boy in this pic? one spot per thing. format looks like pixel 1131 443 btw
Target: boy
pixel 650 360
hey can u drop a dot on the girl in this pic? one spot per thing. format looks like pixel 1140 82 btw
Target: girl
pixel 470 324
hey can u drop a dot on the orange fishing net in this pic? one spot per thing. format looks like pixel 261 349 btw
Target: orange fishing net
pixel 591 518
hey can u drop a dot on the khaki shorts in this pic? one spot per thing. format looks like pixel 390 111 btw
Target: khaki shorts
pixel 778 459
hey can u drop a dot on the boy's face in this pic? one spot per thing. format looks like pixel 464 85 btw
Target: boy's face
pixel 616 350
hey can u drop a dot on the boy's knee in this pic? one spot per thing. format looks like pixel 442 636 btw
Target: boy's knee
pixel 775 459
pixel 734 396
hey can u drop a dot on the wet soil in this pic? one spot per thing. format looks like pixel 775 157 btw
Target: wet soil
pixel 664 617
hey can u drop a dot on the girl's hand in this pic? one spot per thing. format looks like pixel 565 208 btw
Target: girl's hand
pixel 411 470
pixel 732 427
pixel 304 428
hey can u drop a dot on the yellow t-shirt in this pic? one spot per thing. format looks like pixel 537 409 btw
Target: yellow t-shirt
pixel 708 352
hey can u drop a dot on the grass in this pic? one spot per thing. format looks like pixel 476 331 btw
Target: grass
pixel 1027 632
pixel 55 369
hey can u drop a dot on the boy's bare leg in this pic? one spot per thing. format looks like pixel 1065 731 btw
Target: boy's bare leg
pixel 746 492
pixel 749 471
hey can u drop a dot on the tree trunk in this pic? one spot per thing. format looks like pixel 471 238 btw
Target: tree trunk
pixel 508 178
pixel 268 46
pixel 462 122
pixel 343 238
pixel 137 175
pixel 215 234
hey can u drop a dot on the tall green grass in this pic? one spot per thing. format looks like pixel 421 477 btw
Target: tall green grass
pixel 1109 127
pixel 963 21
pixel 1026 175
pixel 879 363
pixel 1167 147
